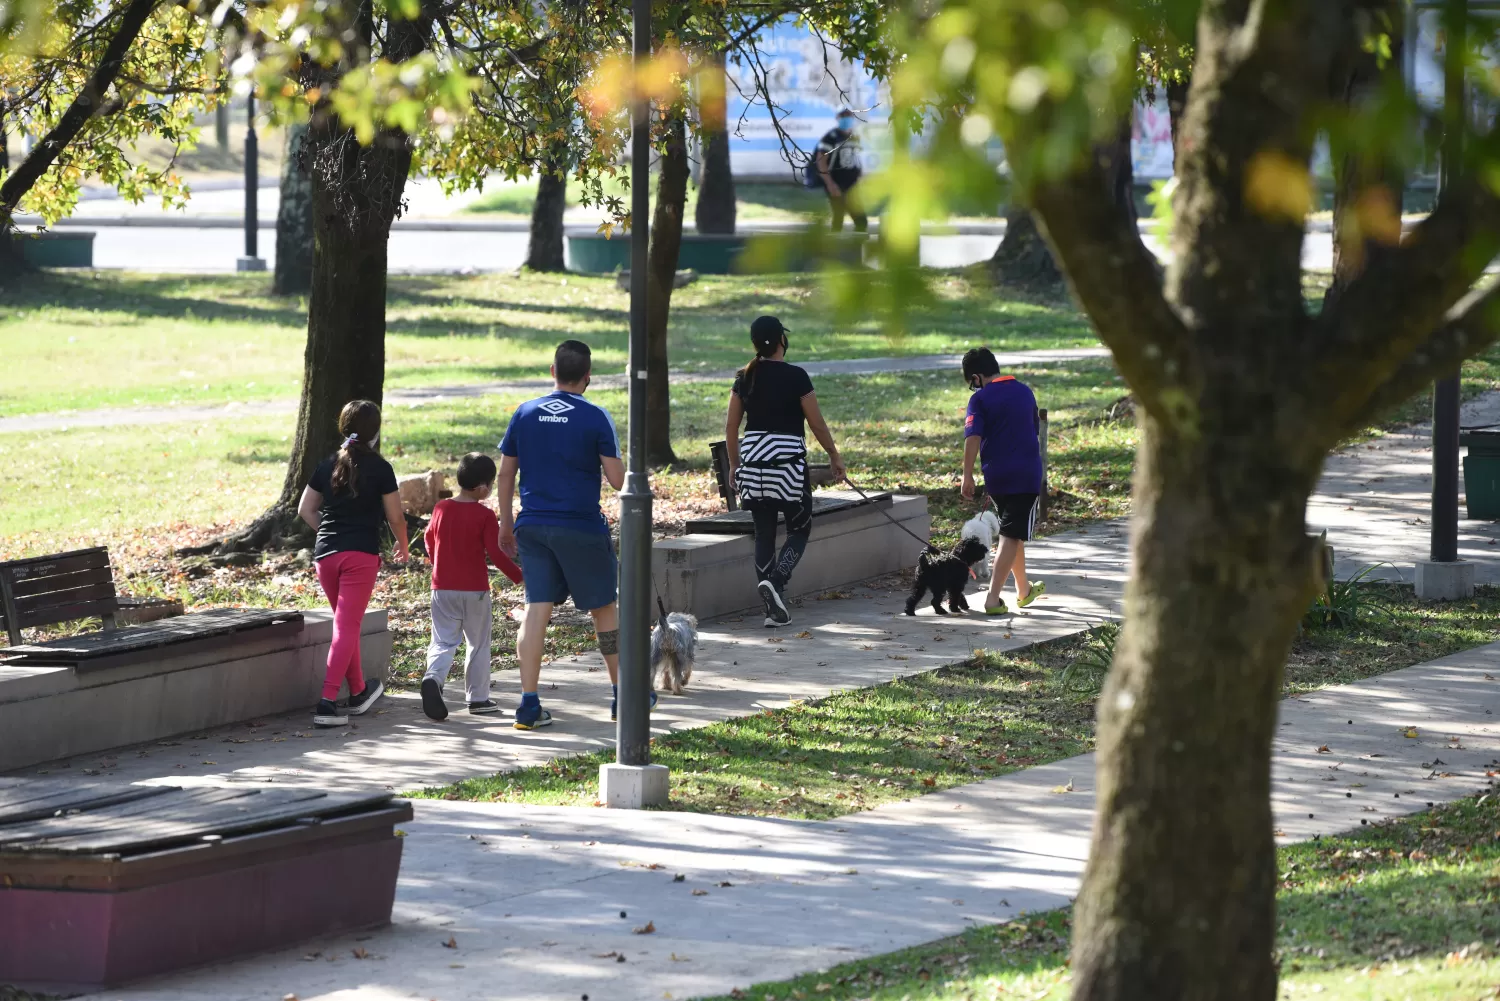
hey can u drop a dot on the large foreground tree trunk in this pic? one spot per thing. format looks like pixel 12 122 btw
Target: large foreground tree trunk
pixel 294 218
pixel 666 242
pixel 544 252
pixel 1222 570
pixel 716 209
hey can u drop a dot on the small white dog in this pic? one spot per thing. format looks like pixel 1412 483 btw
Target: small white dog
pixel 674 647
pixel 985 527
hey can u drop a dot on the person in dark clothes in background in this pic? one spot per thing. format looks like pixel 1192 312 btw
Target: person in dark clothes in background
pixel 838 165
pixel 768 466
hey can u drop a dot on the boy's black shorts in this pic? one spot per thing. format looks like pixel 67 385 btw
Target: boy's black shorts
pixel 1017 514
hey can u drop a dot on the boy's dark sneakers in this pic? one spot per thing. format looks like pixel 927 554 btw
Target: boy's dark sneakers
pixel 361 703
pixel 432 699
pixel 776 611
pixel 327 715
pixel 532 717
pixel 614 707
pixel 487 706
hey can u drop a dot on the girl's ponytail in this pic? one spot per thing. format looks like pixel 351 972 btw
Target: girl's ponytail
pixel 359 423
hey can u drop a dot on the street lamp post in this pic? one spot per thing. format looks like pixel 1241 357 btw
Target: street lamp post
pixel 632 781
pixel 1443 575
pixel 252 260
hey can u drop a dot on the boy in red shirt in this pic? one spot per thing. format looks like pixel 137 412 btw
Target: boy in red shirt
pixel 459 536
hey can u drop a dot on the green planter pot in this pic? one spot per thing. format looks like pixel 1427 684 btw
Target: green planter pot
pixel 589 252
pixel 1482 474
pixel 67 249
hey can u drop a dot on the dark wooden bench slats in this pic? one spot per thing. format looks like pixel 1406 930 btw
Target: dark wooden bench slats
pixel 743 522
pixel 46 589
pixel 28 799
pixel 213 623
pixel 176 817
pixel 27 587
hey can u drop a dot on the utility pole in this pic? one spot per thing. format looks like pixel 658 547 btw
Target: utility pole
pixel 252 260
pixel 1443 575
pixel 632 781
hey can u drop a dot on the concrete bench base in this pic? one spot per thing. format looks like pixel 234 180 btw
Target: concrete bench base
pixel 711 575
pixel 55 712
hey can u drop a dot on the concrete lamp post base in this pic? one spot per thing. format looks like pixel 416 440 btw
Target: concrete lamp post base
pixel 1445 581
pixel 632 787
pixel 250 264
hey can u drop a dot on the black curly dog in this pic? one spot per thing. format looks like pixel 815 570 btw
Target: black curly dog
pixel 946 573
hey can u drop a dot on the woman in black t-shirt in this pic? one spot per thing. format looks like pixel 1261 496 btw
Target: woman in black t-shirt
pixel 768 465
pixel 349 496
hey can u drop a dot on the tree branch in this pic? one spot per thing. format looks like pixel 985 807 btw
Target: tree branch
pixel 86 104
pixel 1392 308
pixel 1472 325
pixel 1117 280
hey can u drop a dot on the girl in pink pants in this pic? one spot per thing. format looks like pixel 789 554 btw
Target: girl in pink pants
pixel 350 496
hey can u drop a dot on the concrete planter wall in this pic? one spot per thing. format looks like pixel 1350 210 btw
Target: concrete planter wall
pixel 71 249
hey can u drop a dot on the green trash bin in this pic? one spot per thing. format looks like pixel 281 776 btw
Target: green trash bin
pixel 1482 473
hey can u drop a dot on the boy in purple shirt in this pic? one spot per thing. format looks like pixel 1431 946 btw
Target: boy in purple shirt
pixel 1000 430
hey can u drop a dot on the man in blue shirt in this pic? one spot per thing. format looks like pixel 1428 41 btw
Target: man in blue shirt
pixel 1000 429
pixel 560 444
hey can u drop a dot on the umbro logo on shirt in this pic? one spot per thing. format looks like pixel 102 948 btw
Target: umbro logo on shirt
pixel 555 409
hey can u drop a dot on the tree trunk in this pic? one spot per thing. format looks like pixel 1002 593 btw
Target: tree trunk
pixel 86 104
pixel 1222 570
pixel 1177 95
pixel 1023 259
pixel 716 208
pixel 1366 193
pixel 544 252
pixel 666 241
pixel 356 193
pixel 294 218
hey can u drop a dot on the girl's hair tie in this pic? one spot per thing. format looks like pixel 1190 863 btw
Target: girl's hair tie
pixel 350 440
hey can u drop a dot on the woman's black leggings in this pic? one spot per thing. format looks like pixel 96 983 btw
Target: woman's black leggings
pixel 769 565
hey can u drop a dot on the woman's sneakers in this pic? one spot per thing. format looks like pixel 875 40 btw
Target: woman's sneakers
pixel 362 703
pixel 776 611
pixel 327 715
pixel 432 700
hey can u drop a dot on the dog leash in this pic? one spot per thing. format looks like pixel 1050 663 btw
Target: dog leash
pixel 886 514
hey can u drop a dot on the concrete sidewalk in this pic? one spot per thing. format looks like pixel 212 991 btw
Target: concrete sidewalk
pixel 415 397
pixel 853 641
pixel 543 902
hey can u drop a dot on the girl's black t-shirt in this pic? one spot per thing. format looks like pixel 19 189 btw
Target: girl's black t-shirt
pixel 774 400
pixel 351 520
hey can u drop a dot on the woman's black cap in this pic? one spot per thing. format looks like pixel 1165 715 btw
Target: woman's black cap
pixel 766 334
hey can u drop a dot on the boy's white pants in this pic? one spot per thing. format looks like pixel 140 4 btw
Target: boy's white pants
pixel 462 615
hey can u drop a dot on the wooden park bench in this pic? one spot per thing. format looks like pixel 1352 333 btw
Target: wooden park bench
pixel 102 883
pixel 45 590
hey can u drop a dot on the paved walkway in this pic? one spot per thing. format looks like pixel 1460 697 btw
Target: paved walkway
pixel 542 902
pixel 123 416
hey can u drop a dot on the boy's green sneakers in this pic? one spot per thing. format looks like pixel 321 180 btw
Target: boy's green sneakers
pixel 1038 587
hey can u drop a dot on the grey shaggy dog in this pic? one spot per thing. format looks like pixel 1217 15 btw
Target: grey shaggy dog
pixel 674 647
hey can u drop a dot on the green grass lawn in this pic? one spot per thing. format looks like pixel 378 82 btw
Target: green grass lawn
pixel 757 201
pixel 988 715
pixel 100 339
pixel 1406 910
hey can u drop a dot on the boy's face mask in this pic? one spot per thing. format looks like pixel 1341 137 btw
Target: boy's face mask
pixel 846 123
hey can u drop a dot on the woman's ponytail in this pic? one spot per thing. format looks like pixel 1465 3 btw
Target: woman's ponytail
pixel 359 423
pixel 747 377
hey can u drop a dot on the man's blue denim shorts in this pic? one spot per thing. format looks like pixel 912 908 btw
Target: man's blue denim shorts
pixel 557 561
